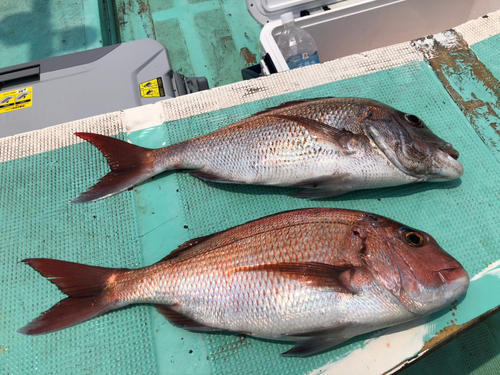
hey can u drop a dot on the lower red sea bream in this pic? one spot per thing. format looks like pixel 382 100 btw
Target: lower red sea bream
pixel 317 277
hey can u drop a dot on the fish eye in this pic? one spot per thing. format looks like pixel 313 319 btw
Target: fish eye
pixel 414 239
pixel 414 120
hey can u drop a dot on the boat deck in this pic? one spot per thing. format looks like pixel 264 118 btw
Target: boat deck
pixel 450 80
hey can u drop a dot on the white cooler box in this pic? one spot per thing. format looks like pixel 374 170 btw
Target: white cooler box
pixel 354 26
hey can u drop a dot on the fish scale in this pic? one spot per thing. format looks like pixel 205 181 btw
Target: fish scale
pixel 240 307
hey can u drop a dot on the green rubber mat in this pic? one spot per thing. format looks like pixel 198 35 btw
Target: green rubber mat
pixel 488 52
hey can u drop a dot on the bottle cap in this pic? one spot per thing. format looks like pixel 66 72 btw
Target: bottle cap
pixel 287 17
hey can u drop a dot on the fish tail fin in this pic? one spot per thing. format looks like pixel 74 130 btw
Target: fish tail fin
pixel 85 286
pixel 130 165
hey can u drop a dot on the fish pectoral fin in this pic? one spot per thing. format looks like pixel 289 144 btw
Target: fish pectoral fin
pixel 310 274
pixel 182 321
pixel 314 345
pixel 342 139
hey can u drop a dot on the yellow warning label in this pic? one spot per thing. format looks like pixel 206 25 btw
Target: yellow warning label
pixel 16 99
pixel 152 88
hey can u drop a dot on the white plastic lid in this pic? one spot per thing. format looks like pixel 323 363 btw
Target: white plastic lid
pixel 287 17
pixel 265 11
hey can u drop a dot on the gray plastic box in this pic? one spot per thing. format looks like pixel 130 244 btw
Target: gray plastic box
pixel 89 83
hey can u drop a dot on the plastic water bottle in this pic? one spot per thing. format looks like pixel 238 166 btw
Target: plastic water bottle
pixel 296 45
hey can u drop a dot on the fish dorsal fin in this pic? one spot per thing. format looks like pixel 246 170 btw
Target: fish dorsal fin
pixel 211 242
pixel 290 104
pixel 310 274
pixel 182 249
pixel 340 137
pixel 225 237
pixel 182 321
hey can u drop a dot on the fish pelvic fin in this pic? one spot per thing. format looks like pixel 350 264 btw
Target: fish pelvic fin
pixel 323 186
pixel 85 286
pixel 130 165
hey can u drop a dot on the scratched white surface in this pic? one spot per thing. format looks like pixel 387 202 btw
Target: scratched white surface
pixel 492 269
pixel 480 29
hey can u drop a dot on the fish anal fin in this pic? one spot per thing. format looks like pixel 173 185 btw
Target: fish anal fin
pixel 211 177
pixel 182 321
pixel 310 273
pixel 314 345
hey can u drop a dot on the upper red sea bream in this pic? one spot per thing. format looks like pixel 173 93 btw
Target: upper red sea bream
pixel 326 146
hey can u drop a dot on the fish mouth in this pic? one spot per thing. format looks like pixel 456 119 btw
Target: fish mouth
pixel 450 168
pixel 448 148
pixel 449 275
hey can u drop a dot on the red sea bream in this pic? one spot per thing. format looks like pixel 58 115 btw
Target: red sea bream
pixel 316 277
pixel 325 146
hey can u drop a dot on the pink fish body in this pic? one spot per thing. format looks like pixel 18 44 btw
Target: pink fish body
pixel 314 276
